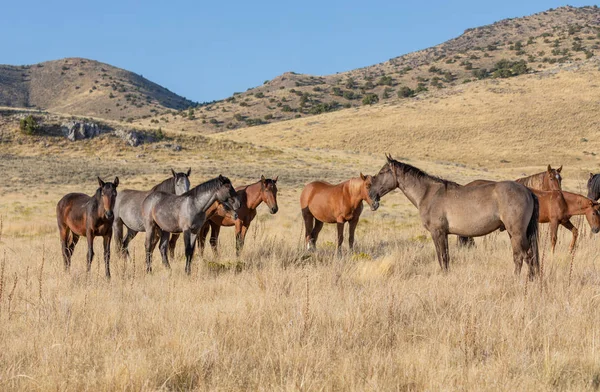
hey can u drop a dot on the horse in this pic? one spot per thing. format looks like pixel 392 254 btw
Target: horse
pixel 446 207
pixel 549 180
pixel 251 196
pixel 128 210
pixel 557 207
pixel 593 187
pixel 322 202
pixel 78 214
pixel 165 213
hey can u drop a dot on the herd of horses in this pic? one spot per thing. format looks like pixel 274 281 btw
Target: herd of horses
pixel 445 207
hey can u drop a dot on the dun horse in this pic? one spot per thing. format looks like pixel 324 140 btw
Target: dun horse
pixel 128 210
pixel 166 213
pixel 78 214
pixel 250 196
pixel 446 208
pixel 322 202
pixel 549 180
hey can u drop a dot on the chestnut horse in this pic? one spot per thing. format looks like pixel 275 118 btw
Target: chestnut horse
pixel 251 196
pixel 322 202
pixel 165 213
pixel 548 180
pixel 128 210
pixel 78 214
pixel 446 208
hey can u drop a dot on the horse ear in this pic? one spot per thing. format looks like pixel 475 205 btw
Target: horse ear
pixel 221 177
pixel 591 175
pixel 549 169
pixel 100 182
pixel 262 178
pixel 559 169
pixel 275 179
pixel 173 172
pixel 362 176
pixel 389 157
pixel 116 182
pixel 189 172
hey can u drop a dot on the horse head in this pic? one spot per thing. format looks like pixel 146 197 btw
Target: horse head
pixel 182 181
pixel 372 200
pixel 227 196
pixel 108 195
pixel 552 179
pixel 268 193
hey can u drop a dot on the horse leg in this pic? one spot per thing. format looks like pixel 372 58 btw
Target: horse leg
pixel 189 239
pixel 215 229
pixel 309 223
pixel 118 234
pixel 172 243
pixel 90 254
pixel 351 229
pixel 106 242
pixel 440 239
pixel 315 233
pixel 239 239
pixel 130 235
pixel 64 244
pixel 74 240
pixel 163 247
pixel 340 237
pixel 569 226
pixel 202 237
pixel 151 240
pixel 553 234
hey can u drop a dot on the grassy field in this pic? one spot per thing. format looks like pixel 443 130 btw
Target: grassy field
pixel 382 318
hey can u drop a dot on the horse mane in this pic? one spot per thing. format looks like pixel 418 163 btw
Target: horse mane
pixel 208 186
pixel 418 173
pixel 167 185
pixel 532 181
pixel 595 183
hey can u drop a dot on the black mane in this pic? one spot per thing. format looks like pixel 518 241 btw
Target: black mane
pixel 418 173
pixel 594 184
pixel 208 186
pixel 167 185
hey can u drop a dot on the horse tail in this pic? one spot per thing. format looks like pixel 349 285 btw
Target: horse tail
pixel 533 233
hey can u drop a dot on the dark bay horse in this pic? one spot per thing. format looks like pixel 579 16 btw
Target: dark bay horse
pixel 166 213
pixel 548 180
pixel 446 208
pixel 322 202
pixel 593 187
pixel 128 209
pixel 251 196
pixel 78 214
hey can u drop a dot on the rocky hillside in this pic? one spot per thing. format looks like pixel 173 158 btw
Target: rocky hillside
pixel 511 47
pixel 85 87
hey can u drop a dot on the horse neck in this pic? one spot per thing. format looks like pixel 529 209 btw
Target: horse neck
pixel 354 189
pixel 203 200
pixel 415 188
pixel 253 194
pixel 576 204
pixel 167 185
pixel 534 181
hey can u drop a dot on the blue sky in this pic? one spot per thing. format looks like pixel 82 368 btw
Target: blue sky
pixel 208 50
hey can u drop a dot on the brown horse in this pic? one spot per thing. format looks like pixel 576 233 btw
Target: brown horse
pixel 549 180
pixel 322 202
pixel 78 215
pixel 251 196
pixel 446 208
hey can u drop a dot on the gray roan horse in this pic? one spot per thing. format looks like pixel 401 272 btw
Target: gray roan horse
pixel 166 213
pixel 446 208
pixel 128 210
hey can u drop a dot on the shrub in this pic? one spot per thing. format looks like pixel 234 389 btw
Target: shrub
pixel 286 108
pixel 350 83
pixel 385 81
pixel 268 116
pixel 350 94
pixel 480 73
pixel 505 68
pixel 370 99
pixel 29 125
pixel 405 92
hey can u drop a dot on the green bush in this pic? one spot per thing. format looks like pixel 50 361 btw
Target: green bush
pixel 385 81
pixel 29 125
pixel 370 99
pixel 406 92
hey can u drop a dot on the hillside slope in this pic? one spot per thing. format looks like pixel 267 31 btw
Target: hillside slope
pixel 85 87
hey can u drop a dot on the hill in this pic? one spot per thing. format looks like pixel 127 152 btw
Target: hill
pixel 77 86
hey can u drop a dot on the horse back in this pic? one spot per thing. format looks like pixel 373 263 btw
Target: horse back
pixel 71 211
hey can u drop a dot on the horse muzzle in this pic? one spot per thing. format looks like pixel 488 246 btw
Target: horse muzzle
pixel 595 230
pixel 273 210
pixel 109 214
pixel 233 214
pixel 375 205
